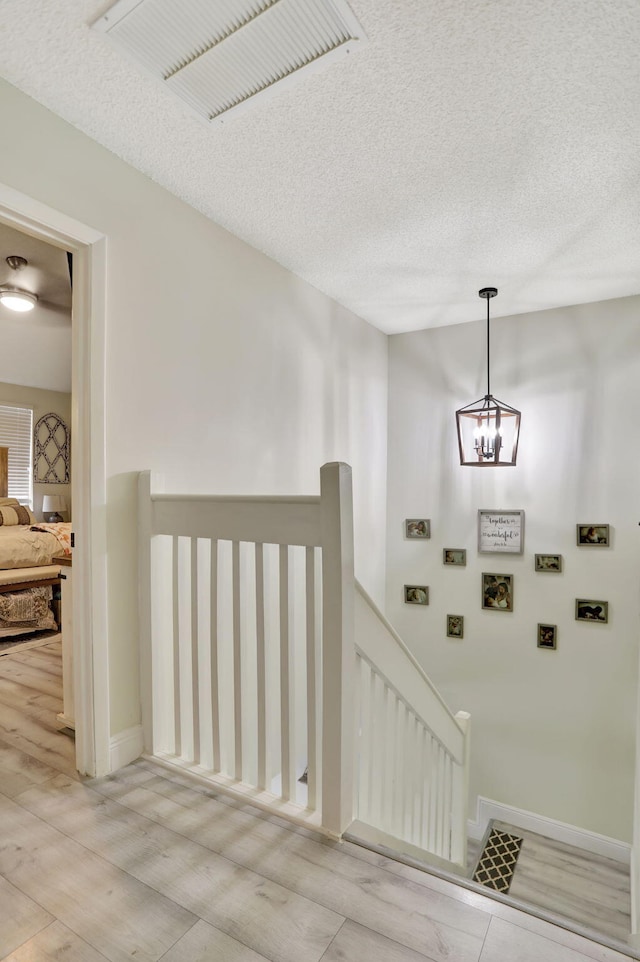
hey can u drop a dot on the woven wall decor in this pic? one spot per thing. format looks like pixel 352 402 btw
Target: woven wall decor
pixel 51 451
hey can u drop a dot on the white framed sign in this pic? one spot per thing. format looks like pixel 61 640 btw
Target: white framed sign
pixel 500 531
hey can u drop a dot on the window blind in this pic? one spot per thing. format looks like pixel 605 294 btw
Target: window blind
pixel 16 433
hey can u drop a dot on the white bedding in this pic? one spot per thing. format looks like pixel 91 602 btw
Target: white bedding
pixel 20 547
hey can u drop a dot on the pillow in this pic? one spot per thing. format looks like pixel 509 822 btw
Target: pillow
pixel 4 501
pixel 11 514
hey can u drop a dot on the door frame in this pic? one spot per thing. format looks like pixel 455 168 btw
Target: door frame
pixel 88 472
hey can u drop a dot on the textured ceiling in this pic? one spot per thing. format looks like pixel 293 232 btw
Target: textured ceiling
pixel 468 143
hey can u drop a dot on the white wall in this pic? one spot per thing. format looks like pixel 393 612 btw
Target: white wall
pixel 224 372
pixel 36 349
pixel 553 732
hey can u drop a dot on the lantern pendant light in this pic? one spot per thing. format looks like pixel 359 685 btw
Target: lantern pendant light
pixel 488 430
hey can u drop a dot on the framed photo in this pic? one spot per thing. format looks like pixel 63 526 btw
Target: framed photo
pixel 417 528
pixel 454 556
pixel 501 531
pixel 455 626
pixel 497 592
pixel 416 595
pixel 547 636
pixel 592 610
pixel 548 562
pixel 590 534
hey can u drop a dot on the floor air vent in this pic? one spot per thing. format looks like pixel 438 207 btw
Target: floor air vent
pixel 219 56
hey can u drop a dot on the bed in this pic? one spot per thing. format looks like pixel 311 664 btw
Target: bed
pixel 28 569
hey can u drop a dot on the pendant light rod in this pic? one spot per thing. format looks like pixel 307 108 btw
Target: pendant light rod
pixel 488 293
pixel 488 355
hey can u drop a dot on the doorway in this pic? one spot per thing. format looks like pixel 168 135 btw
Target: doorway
pixel 90 663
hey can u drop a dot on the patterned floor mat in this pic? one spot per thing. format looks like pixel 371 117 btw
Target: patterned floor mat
pixel 497 861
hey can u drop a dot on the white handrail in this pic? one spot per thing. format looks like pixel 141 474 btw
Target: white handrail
pixel 231 610
pixel 257 647
pixel 412 753
pixel 405 674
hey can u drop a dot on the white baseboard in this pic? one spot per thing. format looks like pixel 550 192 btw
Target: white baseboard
pixel 487 809
pixel 125 747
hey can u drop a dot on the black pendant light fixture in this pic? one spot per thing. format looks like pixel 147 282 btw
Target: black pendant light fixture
pixel 488 430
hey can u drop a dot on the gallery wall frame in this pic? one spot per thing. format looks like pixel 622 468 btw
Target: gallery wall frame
pixel 497 591
pixel 592 611
pixel 592 535
pixel 417 528
pixel 500 532
pixel 454 556
pixel 416 595
pixel 547 636
pixel 551 563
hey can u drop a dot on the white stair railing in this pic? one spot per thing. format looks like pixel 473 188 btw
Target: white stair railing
pixel 246 627
pixel 258 655
pixel 411 753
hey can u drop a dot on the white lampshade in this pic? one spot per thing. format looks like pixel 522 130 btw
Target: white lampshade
pixel 53 504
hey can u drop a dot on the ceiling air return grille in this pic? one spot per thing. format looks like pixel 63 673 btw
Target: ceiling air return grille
pixel 217 55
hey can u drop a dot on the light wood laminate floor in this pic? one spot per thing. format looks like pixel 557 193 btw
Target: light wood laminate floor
pixel 146 865
pixel 590 889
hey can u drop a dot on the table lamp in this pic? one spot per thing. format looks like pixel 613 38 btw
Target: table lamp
pixel 52 505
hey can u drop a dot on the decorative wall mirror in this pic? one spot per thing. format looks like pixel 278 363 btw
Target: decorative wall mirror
pixel 52 451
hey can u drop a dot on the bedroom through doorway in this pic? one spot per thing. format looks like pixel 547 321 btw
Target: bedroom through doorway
pixel 36 496
pixel 90 673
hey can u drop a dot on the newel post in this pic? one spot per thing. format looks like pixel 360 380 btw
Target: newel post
pixel 147 616
pixel 634 937
pixel 460 802
pixel 144 606
pixel 338 652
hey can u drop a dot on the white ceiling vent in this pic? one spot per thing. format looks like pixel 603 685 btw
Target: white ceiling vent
pixel 217 55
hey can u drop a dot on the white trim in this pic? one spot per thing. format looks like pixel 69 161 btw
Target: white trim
pixel 360 832
pixel 634 938
pixel 88 469
pixel 581 838
pixel 261 799
pixel 31 216
pixel 125 747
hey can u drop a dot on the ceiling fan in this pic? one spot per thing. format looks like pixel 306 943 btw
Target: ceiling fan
pixel 16 297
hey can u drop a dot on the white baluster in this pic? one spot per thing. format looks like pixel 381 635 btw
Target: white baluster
pixel 311 640
pixel 261 669
pixel 285 735
pixel 399 769
pixel 441 778
pixel 460 796
pixel 177 702
pixel 423 742
pixel 432 764
pixel 388 745
pixel 377 747
pixel 446 833
pixel 213 648
pixel 358 731
pixel 414 774
pixel 237 662
pixel 362 769
pixel 195 669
